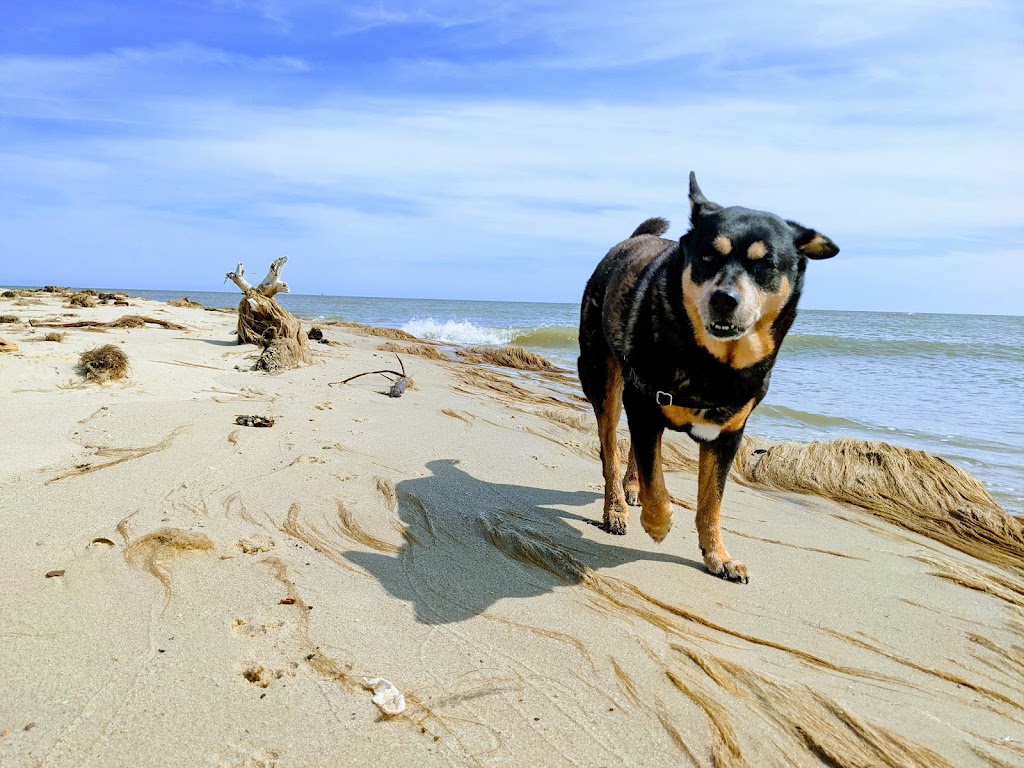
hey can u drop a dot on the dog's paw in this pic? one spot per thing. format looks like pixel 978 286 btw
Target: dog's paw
pixel 615 520
pixel 614 527
pixel 731 570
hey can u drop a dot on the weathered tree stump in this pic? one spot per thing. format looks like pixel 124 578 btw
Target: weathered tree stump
pixel 262 321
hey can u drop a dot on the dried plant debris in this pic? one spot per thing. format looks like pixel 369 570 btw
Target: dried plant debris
pixel 254 421
pixel 908 488
pixel 315 334
pixel 101 364
pixel 185 302
pixel 82 299
pixel 117 456
pixel 9 319
pixel 154 552
pixel 54 336
pixel 370 330
pixel 355 532
pixel 7 346
pixel 507 357
pixel 422 350
pixel 127 321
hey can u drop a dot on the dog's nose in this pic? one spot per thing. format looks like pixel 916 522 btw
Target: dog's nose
pixel 724 301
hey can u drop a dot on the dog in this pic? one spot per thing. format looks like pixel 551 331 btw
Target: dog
pixel 684 335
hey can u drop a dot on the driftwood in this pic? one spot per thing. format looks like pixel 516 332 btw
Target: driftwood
pixel 128 321
pixel 398 385
pixel 262 321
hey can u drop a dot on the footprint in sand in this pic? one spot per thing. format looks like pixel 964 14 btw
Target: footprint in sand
pixel 261 676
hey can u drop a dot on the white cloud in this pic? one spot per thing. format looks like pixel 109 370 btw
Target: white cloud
pixel 905 150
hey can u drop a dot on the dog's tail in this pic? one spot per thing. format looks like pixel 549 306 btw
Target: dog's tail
pixel 656 226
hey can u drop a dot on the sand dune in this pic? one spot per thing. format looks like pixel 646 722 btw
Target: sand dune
pixel 226 590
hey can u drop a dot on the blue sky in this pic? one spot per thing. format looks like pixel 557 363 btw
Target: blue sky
pixel 495 150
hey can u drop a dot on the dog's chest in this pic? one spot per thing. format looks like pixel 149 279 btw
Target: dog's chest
pixel 706 424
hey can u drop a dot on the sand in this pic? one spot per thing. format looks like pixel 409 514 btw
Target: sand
pixel 217 594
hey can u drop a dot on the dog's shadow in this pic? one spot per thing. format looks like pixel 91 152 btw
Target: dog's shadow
pixel 468 543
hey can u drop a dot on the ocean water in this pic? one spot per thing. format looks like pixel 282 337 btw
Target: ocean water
pixel 951 385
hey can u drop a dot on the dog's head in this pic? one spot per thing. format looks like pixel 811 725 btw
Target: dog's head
pixel 742 267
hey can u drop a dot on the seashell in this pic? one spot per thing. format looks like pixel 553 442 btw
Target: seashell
pixel 388 699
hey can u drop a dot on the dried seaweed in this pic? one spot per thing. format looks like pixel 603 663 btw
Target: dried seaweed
pixel 154 551
pixel 910 489
pixel 507 357
pixel 120 456
pixel 101 364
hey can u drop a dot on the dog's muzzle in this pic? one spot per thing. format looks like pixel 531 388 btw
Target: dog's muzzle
pixel 722 305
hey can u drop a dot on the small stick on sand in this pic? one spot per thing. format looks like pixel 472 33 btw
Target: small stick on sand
pixel 398 387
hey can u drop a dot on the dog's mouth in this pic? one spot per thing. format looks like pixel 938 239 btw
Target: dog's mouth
pixel 724 330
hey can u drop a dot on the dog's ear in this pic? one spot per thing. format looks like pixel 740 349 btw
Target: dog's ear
pixel 699 205
pixel 811 243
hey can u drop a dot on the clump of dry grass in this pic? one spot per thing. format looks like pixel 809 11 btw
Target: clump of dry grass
pixel 185 302
pixel 422 350
pixel 8 346
pixel 54 336
pixel 908 488
pixel 101 364
pixel 8 295
pixel 82 299
pixel 9 319
pixel 128 321
pixel 507 357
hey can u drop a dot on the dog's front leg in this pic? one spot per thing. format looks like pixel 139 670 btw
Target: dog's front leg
pixel 715 461
pixel 656 514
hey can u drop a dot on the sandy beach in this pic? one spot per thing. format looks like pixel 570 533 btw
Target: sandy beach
pixel 181 590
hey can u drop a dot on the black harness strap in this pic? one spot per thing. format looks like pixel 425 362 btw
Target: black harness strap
pixel 661 396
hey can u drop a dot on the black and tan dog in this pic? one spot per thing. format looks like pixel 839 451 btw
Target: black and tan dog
pixel 685 336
